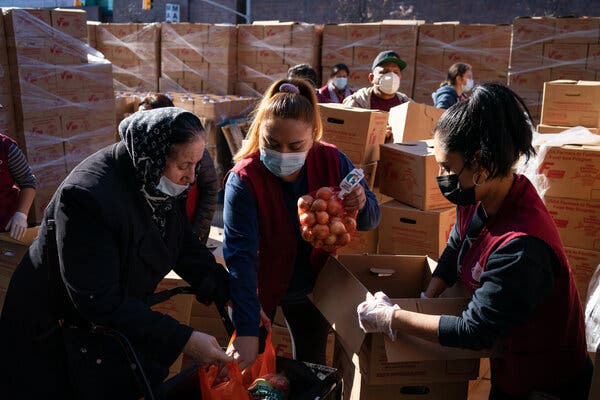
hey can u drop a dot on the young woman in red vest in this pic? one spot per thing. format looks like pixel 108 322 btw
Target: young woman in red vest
pixel 269 263
pixel 506 250
pixel 17 188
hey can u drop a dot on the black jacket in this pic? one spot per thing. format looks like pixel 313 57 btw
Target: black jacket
pixel 207 186
pixel 111 257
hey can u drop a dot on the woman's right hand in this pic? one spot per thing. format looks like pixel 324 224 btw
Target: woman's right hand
pixel 244 350
pixel 435 288
pixel 205 350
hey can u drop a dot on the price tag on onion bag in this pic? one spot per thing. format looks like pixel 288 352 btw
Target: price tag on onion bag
pixel 350 181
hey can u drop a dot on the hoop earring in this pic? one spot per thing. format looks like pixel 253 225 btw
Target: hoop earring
pixel 476 181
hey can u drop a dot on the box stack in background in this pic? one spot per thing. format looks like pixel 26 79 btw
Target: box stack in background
pixel 357 45
pixel 62 93
pixel 567 103
pixel 573 200
pixel 7 113
pixel 485 47
pixel 418 219
pixel 545 49
pixel 134 51
pixel 198 58
pixel 267 50
pixel 371 365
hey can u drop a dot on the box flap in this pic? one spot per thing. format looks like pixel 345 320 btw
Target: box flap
pixel 408 348
pixel 333 281
pixel 30 235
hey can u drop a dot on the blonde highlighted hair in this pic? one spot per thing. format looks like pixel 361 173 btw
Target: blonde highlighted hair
pixel 275 103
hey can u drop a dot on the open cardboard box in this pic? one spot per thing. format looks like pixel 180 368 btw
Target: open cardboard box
pixel 344 283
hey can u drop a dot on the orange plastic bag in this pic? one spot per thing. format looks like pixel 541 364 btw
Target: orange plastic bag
pixel 264 364
pixel 233 389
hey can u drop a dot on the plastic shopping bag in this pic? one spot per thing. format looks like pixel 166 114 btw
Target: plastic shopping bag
pixel 232 389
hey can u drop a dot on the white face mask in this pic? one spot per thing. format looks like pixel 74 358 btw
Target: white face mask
pixel 282 164
pixel 169 187
pixel 389 83
pixel 340 83
pixel 468 86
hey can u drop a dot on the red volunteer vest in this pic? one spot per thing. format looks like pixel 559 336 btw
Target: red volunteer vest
pixel 191 201
pixel 278 244
pixel 9 193
pixel 549 349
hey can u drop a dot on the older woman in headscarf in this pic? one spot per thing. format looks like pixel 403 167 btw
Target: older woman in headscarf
pixel 76 321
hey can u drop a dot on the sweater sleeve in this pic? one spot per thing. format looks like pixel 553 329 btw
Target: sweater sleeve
pixel 240 249
pixel 370 216
pixel 19 169
pixel 518 277
pixel 91 271
pixel 207 186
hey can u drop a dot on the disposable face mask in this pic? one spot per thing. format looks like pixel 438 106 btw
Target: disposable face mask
pixel 389 83
pixel 170 188
pixel 450 187
pixel 468 86
pixel 282 164
pixel 340 83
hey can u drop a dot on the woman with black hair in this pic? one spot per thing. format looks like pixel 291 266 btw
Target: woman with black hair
pixel 458 82
pixel 77 322
pixel 337 88
pixel 506 250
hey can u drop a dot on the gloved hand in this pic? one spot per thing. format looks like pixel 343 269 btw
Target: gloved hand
pixel 17 225
pixel 375 314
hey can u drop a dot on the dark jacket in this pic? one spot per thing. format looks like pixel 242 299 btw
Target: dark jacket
pixel 110 256
pixel 445 97
pixel 201 205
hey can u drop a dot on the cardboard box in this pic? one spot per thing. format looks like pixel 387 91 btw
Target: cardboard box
pixel 593 59
pixel 436 34
pixel 380 360
pixel 331 55
pixel 407 230
pixel 394 34
pixel 541 128
pixel 576 73
pixel 26 22
pixel 370 171
pixel 413 121
pixel 363 242
pixel 284 347
pixel 571 103
pixel 577 30
pixel 355 131
pixel 583 264
pixel 578 221
pixel 526 30
pixel 555 54
pixel 408 173
pixel 366 34
pixel 572 171
pixel 70 22
pixel 11 253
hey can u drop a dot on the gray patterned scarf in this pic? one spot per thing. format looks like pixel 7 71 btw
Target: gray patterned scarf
pixel 146 135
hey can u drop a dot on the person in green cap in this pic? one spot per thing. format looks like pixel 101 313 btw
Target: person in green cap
pixel 383 94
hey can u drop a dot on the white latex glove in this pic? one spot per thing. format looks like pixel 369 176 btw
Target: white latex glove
pixel 17 225
pixel 375 314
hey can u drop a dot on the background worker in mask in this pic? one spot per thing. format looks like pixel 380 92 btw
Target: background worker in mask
pixel 506 251
pixel 383 94
pixel 337 88
pixel 268 261
pixel 456 86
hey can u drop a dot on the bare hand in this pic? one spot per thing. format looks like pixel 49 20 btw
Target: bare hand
pixel 356 199
pixel 244 350
pixel 205 350
pixel 388 132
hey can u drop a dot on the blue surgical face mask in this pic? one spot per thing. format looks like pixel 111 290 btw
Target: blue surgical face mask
pixel 169 187
pixel 340 83
pixel 282 164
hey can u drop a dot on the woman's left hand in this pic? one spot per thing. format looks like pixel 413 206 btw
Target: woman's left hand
pixel 356 199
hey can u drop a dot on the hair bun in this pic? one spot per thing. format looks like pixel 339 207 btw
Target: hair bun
pixel 289 88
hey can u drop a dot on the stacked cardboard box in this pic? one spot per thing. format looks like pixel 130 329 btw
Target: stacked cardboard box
pixel 134 51
pixel 7 114
pixel 11 253
pixel 63 97
pixel 573 200
pixel 267 50
pixel 373 366
pixel 545 49
pixel 568 103
pixel 419 219
pixel 485 47
pixel 198 58
pixel 357 45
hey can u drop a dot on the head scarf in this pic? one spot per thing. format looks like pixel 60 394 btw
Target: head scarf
pixel 147 138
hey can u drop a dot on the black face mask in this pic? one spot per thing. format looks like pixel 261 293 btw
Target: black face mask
pixel 450 188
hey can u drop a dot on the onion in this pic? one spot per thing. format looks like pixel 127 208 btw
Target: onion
pixel 319 205
pixel 350 224
pixel 308 219
pixel 343 240
pixel 320 231
pixel 336 226
pixel 334 207
pixel 305 202
pixel 322 217
pixel 330 240
pixel 324 193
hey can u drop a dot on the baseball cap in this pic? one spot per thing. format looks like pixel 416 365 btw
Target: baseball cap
pixel 388 56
